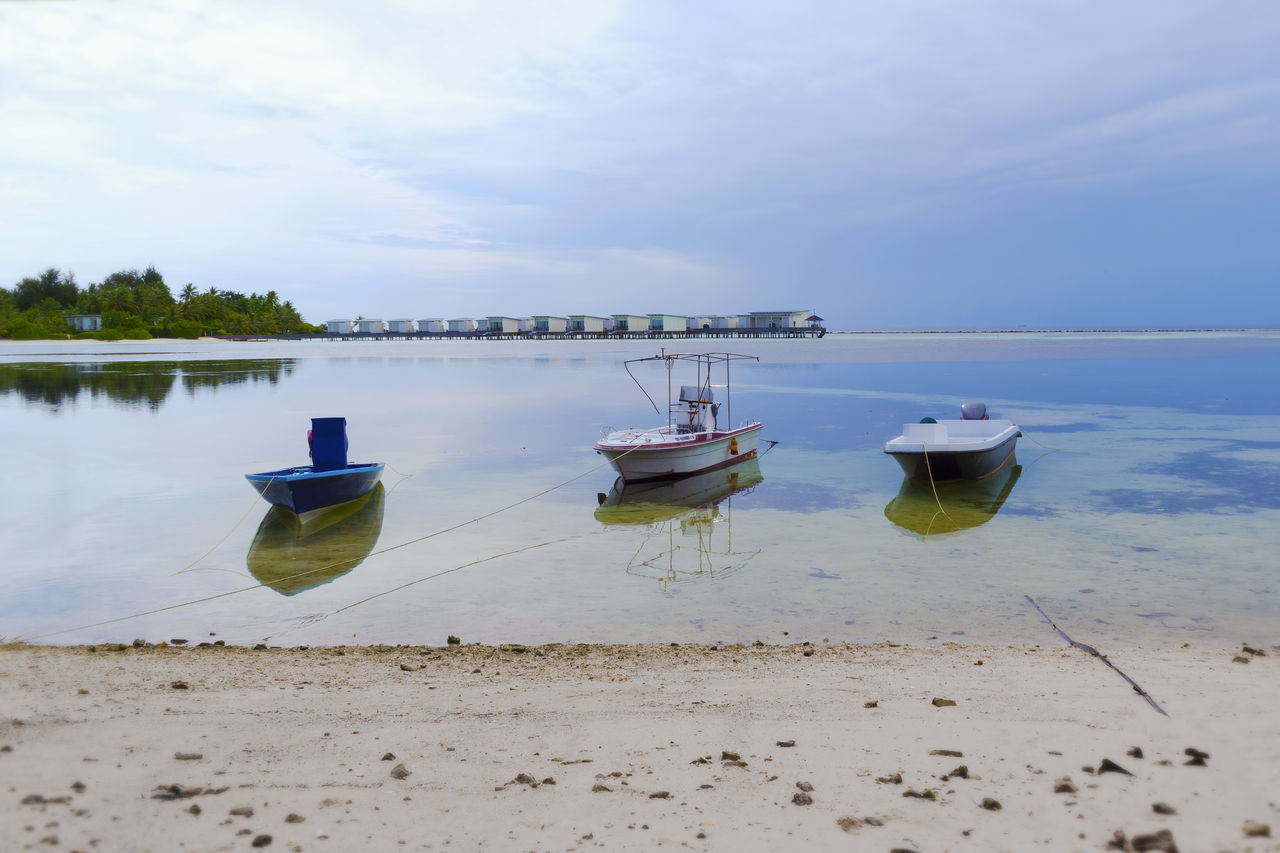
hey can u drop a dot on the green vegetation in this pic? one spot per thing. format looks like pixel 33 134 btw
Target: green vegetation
pixel 138 306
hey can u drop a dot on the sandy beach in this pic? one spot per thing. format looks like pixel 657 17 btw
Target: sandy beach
pixel 637 747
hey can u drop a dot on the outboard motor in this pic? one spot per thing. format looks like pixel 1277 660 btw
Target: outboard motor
pixel 973 412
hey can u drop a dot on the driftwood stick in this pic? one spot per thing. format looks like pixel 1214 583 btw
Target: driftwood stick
pixel 1099 655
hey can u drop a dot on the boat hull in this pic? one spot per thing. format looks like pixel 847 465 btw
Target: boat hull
pixel 941 465
pixel 651 455
pixel 302 490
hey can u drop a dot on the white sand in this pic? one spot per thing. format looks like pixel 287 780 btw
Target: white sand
pixel 304 732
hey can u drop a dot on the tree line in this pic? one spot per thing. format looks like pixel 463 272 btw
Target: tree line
pixel 139 305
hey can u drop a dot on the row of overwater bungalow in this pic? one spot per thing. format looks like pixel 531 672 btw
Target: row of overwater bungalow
pixel 577 324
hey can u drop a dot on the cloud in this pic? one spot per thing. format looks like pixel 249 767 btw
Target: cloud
pixel 534 152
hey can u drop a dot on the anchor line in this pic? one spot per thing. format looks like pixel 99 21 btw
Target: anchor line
pixel 379 552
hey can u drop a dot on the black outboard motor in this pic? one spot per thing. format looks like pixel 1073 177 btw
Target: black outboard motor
pixel 973 412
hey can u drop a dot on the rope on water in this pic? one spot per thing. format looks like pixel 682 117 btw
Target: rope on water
pixel 452 570
pixel 233 529
pixel 1032 438
pixel 1099 655
pixel 216 596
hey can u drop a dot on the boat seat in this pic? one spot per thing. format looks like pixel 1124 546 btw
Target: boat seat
pixel 328 444
pixel 973 412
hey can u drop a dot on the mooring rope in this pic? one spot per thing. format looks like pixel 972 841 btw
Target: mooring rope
pixel 1099 655
pixel 925 446
pixel 381 551
pixel 233 529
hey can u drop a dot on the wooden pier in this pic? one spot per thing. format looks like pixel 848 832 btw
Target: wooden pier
pixel 691 334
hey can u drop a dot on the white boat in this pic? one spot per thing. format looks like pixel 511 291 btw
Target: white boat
pixel 693 439
pixel 971 448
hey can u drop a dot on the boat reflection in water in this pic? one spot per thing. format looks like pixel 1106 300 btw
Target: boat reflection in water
pixel 290 555
pixel 959 505
pixel 686 523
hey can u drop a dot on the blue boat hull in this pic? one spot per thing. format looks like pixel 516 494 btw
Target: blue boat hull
pixel 302 490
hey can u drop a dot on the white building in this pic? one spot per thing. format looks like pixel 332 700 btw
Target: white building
pixel 553 325
pixel 435 325
pixel 774 320
pixel 338 327
pixel 400 326
pixel 630 323
pixel 84 322
pixel 587 323
pixel 698 323
pixel 370 327
pixel 502 325
pixel 462 324
pixel 525 324
pixel 668 323
pixel 725 322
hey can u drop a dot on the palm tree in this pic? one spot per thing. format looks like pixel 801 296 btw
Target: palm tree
pixel 188 293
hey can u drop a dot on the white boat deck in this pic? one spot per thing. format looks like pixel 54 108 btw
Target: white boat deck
pixel 952 436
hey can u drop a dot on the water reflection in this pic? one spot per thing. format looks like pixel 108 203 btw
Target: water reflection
pixel 958 506
pixel 131 383
pixel 686 525
pixel 290 555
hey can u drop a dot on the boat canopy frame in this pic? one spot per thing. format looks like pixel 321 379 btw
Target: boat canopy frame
pixel 705 363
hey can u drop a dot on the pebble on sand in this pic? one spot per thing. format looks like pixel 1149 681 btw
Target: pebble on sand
pixel 1109 766
pixel 1254 829
pixel 939 702
pixel 1160 842
pixel 400 772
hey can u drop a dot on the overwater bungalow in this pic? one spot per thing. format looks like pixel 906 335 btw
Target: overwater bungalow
pixel 668 323
pixel 338 327
pixel 548 323
pixel 400 326
pixel 587 323
pixel 774 320
pixel 502 325
pixel 433 326
pixel 630 323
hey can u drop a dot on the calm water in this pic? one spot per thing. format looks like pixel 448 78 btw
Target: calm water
pixel 1144 508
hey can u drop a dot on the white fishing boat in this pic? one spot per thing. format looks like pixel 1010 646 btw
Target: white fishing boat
pixel 695 437
pixel 971 448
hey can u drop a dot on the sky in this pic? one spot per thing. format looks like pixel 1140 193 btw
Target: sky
pixel 996 164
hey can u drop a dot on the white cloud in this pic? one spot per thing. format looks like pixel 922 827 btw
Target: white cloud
pixel 519 145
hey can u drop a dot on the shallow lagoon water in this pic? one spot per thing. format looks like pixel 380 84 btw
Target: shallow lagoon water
pixel 1143 509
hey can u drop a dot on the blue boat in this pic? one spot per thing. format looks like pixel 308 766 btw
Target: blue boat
pixel 330 480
